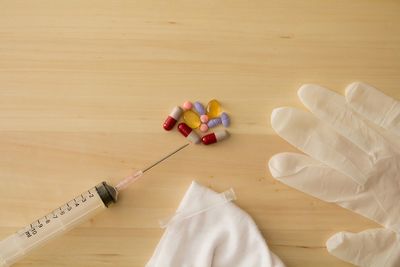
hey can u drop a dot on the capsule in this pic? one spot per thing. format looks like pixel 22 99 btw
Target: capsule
pixel 187 132
pixel 214 122
pixel 173 117
pixel 213 108
pixel 191 119
pixel 226 121
pixel 214 137
pixel 199 108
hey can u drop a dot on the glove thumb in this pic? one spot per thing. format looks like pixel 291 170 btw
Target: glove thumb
pixel 370 248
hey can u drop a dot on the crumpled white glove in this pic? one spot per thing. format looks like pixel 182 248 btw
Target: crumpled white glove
pixel 211 232
pixel 353 160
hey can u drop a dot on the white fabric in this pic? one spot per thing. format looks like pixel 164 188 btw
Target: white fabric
pixel 353 160
pixel 222 236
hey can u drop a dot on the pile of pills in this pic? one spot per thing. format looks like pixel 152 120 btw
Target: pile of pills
pixel 195 116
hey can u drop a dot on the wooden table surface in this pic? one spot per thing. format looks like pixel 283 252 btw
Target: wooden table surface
pixel 85 87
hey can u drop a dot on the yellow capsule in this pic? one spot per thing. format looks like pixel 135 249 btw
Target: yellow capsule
pixel 191 119
pixel 213 109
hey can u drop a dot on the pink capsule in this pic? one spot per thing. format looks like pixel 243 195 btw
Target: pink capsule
pixel 188 132
pixel 214 137
pixel 172 118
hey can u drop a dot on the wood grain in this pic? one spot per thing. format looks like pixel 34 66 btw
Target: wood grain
pixel 85 86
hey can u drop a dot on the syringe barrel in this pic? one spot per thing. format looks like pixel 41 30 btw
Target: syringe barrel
pixel 57 222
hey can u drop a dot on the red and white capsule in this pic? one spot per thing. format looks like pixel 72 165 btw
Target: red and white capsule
pixel 214 137
pixel 173 117
pixel 188 132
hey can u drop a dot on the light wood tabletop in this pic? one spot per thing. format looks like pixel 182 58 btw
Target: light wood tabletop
pixel 86 85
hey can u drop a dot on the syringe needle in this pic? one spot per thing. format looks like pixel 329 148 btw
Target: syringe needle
pixel 164 158
pixel 130 179
pixel 87 204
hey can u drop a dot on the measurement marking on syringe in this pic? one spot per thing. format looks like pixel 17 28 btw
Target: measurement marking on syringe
pixel 55 223
pixel 41 223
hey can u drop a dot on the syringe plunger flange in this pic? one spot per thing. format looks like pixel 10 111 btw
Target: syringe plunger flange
pixel 107 193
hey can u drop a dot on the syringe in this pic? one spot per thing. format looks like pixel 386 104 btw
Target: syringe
pixel 65 217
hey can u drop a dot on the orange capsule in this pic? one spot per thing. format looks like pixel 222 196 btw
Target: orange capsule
pixel 213 108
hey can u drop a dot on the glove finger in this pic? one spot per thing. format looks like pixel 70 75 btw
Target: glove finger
pixel 374 106
pixel 370 248
pixel 312 177
pixel 333 109
pixel 321 142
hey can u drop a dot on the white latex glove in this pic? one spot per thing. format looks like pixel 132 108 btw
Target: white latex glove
pixel 353 160
pixel 211 233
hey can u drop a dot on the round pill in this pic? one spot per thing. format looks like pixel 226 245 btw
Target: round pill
pixel 204 118
pixel 203 127
pixel 187 105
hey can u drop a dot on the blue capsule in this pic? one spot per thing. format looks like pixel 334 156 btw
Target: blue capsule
pixel 214 122
pixel 226 121
pixel 199 108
